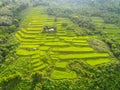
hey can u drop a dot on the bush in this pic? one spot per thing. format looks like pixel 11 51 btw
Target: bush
pixel 84 22
pixel 99 45
pixel 64 25
pixel 5 21
pixel 12 28
pixel 36 78
pixel 10 82
pixel 4 11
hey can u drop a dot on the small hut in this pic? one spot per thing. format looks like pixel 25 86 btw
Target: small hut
pixel 49 29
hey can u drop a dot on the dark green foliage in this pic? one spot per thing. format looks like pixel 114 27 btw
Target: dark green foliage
pixel 81 68
pixel 64 25
pixel 36 78
pixel 9 10
pixel 103 77
pixel 9 21
pixel 83 22
pixel 3 49
pixel 111 18
pixel 5 21
pixel 10 82
pixel 90 78
pixel 114 46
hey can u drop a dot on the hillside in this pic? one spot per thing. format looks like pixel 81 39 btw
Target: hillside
pixel 59 45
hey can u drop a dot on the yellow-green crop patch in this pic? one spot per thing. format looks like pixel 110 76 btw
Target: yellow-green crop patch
pixel 44 48
pixel 29 46
pixel 79 41
pixel 42 67
pixel 25 52
pixel 112 31
pixel 61 64
pixel 98 61
pixel 74 49
pixel 83 56
pixel 34 29
pixel 63 75
pixel 56 44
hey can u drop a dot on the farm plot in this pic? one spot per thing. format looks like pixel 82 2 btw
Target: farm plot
pixel 73 49
pixel 63 75
pixel 58 49
pixel 107 28
pixel 83 56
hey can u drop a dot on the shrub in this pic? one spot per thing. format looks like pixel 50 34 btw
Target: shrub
pixel 64 25
pixel 10 81
pixel 99 45
pixel 36 79
pixel 5 21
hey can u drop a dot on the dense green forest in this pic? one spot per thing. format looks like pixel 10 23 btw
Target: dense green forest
pixel 59 44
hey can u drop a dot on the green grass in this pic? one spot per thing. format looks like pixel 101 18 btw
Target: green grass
pixel 98 61
pixel 26 35
pixel 61 64
pixel 31 43
pixel 83 56
pixel 29 32
pixel 112 31
pixel 37 56
pixel 73 49
pixel 111 26
pixel 97 20
pixel 34 29
pixel 79 41
pixel 25 52
pixel 35 61
pixel 28 46
pixel 41 67
pixel 63 75
pixel 37 64
pixel 56 44
pixel 18 37
pixel 44 48
pixel 81 44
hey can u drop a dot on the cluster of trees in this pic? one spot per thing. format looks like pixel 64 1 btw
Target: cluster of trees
pixel 59 12
pixel 3 49
pixel 36 78
pixel 111 18
pixel 10 82
pixel 9 10
pixel 5 16
pixel 9 22
pixel 83 22
pixel 102 77
pixel 7 46
pixel 113 44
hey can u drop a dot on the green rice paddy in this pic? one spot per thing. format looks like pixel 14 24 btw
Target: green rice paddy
pixel 58 49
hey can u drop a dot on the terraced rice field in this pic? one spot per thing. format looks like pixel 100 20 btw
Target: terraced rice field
pixel 111 30
pixel 58 49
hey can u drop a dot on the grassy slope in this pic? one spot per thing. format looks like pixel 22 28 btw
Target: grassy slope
pixel 57 48
pixel 38 51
